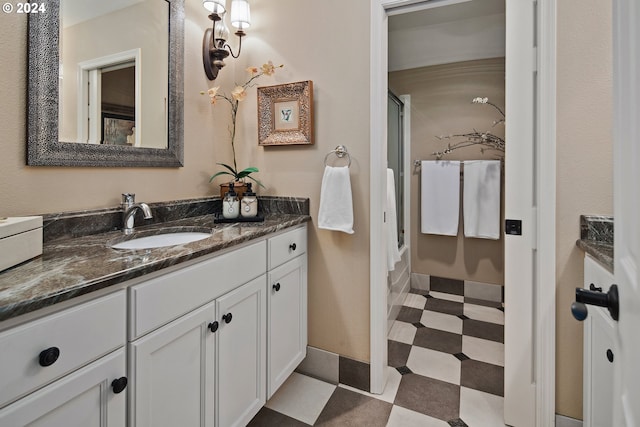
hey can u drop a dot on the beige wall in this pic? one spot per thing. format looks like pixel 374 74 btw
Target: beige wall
pixel 338 270
pixel 441 105
pixel 584 168
pixel 292 32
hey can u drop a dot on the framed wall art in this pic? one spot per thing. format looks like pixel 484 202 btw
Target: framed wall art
pixel 285 114
pixel 118 129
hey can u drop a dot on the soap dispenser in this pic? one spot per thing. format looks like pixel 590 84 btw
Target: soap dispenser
pixel 249 203
pixel 230 204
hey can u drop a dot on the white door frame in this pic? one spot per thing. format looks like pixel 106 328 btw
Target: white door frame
pixel 626 205
pixel 541 373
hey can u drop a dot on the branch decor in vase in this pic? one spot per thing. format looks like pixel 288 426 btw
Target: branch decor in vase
pixel 237 95
pixel 486 140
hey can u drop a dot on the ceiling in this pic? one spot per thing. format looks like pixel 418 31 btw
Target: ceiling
pixel 443 14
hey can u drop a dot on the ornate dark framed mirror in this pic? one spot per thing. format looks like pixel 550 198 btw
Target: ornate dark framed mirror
pixel 106 131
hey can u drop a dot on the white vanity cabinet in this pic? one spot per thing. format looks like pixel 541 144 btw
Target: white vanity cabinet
pixel 287 320
pixel 286 306
pixel 172 373
pixel 206 367
pixel 67 368
pixel 600 350
pixel 241 356
pixel 203 345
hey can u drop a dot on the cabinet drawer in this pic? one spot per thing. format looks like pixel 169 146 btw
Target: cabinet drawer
pixel 80 334
pixel 158 301
pixel 287 246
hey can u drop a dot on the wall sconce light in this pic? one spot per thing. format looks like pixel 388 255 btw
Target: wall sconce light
pixel 214 44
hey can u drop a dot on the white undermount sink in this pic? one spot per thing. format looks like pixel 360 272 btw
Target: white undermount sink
pixel 160 240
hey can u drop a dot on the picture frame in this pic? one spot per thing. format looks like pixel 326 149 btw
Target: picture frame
pixel 285 114
pixel 117 129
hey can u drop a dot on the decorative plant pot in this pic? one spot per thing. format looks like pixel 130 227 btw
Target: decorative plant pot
pixel 238 186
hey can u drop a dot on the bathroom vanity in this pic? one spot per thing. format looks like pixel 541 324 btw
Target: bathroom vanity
pixel 600 341
pixel 202 335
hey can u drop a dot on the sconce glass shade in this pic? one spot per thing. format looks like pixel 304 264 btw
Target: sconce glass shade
pixel 221 33
pixel 215 6
pixel 240 14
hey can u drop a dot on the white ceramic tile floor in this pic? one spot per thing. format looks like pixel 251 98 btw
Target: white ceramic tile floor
pixel 301 397
pixel 402 417
pixel 434 364
pixel 415 301
pixel 402 332
pixel 483 350
pixel 480 409
pixel 485 314
pixel 448 297
pixel 390 389
pixel 304 398
pixel 441 321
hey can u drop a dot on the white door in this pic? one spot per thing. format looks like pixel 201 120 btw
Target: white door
pixel 241 369
pixel 519 244
pixel 172 376
pixel 626 59
pixel 84 398
pixel 287 321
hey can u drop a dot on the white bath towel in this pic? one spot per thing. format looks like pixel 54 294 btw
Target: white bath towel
pixel 481 199
pixel 440 197
pixel 393 254
pixel 336 205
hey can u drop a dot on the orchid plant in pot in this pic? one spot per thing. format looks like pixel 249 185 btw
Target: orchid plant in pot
pixel 238 94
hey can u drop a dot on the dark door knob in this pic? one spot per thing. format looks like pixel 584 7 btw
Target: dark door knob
pixel 610 355
pixel 276 287
pixel 119 385
pixel 600 299
pixel 49 356
pixel 292 246
pixel 213 326
pixel 227 317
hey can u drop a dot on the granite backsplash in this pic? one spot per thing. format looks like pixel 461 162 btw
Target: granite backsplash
pixel 69 225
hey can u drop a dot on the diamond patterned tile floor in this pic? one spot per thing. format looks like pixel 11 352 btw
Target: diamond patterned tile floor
pixel 446 357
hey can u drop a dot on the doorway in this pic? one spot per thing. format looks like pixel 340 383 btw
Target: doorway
pixel 530 198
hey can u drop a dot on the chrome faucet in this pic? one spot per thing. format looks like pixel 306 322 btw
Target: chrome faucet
pixel 129 207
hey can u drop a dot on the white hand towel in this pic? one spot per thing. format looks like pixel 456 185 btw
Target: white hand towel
pixel 440 197
pixel 481 199
pixel 393 254
pixel 336 205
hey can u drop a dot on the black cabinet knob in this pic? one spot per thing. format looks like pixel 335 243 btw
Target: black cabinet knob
pixel 119 384
pixel 49 356
pixel 213 326
pixel 292 246
pixel 276 287
pixel 610 355
pixel 227 317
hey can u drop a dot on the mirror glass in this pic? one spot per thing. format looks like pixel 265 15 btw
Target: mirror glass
pixel 106 88
pixel 101 46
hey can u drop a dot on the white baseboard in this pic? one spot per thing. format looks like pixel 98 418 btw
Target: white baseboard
pixel 562 421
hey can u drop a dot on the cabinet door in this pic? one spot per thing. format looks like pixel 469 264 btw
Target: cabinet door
pixel 241 354
pixel 287 321
pixel 172 376
pixel 84 398
pixel 600 352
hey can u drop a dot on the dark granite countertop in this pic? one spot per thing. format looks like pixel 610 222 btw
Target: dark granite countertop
pixel 70 267
pixel 596 238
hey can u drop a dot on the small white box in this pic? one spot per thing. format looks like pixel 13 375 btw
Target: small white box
pixel 20 240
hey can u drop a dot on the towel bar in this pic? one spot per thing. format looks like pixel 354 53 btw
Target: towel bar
pixel 340 151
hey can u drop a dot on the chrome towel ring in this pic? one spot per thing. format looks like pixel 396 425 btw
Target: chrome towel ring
pixel 340 151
